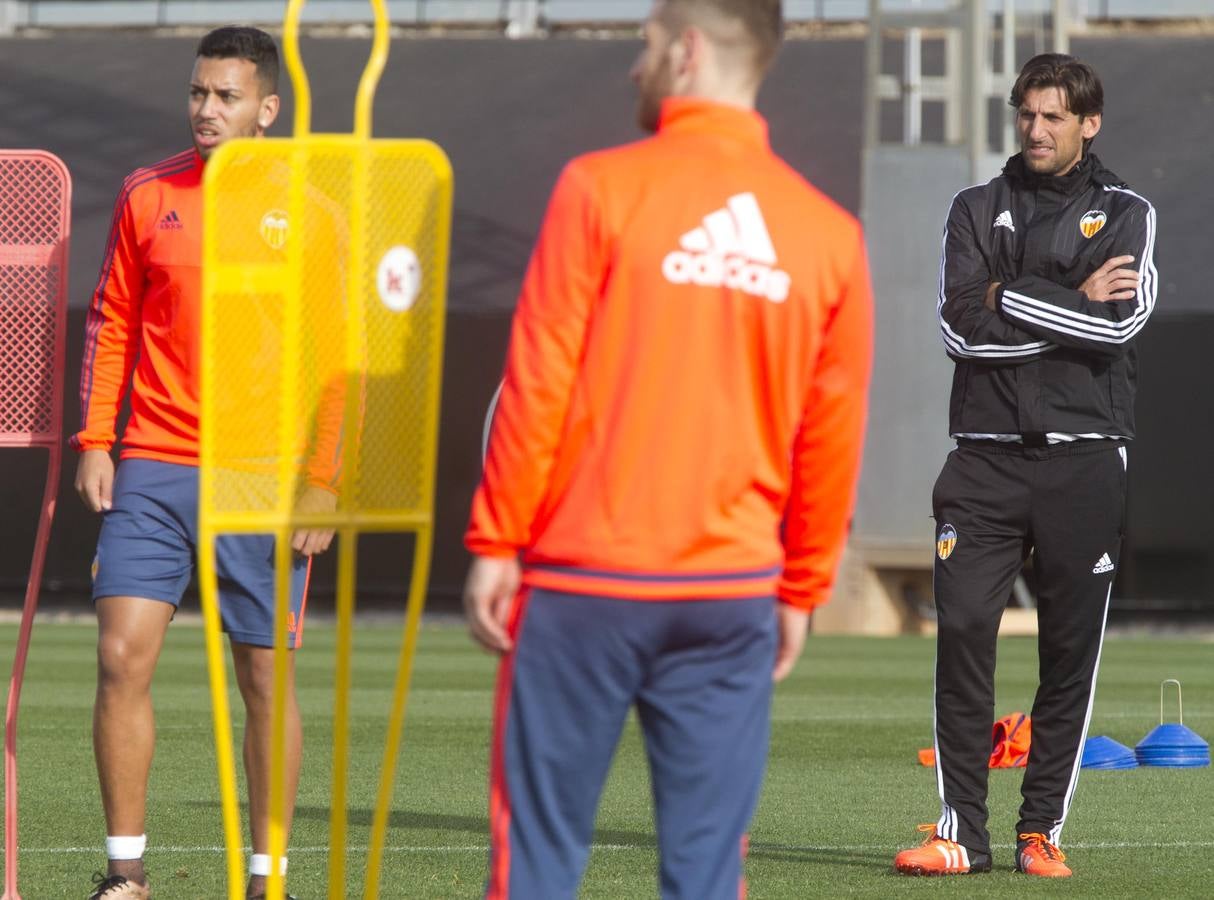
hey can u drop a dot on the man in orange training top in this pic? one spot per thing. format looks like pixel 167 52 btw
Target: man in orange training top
pixel 674 458
pixel 143 334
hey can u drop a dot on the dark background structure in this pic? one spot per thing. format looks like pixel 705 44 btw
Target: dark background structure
pixel 509 114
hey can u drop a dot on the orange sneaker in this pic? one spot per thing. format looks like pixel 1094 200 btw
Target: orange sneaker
pixel 937 856
pixel 1035 855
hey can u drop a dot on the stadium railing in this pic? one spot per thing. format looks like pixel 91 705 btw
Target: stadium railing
pixel 513 17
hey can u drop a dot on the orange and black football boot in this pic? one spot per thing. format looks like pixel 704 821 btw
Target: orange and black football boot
pixel 938 856
pixel 1035 855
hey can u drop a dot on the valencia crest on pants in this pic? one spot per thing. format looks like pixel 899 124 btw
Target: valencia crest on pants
pixel 946 542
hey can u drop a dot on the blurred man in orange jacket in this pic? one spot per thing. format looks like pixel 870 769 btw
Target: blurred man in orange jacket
pixel 672 465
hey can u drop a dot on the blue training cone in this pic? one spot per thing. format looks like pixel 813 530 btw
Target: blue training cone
pixel 1106 753
pixel 1171 744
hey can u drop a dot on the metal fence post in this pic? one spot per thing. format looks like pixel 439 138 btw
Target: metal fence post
pixel 9 16
pixel 523 18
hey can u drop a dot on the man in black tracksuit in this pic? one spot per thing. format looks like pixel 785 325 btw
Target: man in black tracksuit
pixel 1047 276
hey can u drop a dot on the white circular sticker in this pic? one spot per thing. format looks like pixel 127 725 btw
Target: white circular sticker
pixel 399 278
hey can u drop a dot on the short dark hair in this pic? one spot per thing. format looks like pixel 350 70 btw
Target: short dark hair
pixel 243 42
pixel 1079 83
pixel 763 21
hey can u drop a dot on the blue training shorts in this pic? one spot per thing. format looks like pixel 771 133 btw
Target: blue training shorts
pixel 148 547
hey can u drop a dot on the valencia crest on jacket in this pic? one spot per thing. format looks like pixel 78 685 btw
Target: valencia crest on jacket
pixel 1093 220
pixel 274 229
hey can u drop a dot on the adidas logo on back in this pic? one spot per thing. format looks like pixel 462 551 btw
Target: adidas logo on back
pixel 733 249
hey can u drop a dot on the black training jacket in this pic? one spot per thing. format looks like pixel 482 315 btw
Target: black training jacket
pixel 1048 361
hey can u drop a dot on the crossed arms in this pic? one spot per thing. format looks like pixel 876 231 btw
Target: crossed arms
pixel 986 321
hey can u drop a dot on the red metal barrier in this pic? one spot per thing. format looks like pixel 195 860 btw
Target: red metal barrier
pixel 35 232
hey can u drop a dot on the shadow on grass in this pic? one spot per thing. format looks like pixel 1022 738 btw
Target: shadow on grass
pixel 863 859
pixel 425 821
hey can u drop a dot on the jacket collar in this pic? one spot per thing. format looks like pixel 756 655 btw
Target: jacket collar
pixel 686 115
pixel 1090 170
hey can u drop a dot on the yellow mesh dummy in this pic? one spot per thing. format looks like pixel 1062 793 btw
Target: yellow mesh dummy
pixel 321 358
pixel 324 286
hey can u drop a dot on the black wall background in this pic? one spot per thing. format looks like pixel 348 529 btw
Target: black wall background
pixel 509 114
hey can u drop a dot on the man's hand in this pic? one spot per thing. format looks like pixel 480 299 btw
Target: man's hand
pixel 793 623
pixel 95 479
pixel 1112 282
pixel 310 541
pixel 989 300
pixel 489 596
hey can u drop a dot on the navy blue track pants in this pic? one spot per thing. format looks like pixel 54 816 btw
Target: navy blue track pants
pixel 698 673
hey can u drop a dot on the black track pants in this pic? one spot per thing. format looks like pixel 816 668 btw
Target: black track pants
pixel 993 504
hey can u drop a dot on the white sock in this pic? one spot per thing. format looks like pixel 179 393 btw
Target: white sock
pixel 118 847
pixel 259 864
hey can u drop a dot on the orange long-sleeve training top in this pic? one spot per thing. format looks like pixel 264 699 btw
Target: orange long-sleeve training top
pixel 143 322
pixel 686 385
pixel 143 326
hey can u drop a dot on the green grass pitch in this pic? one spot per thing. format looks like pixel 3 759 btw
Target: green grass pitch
pixel 843 791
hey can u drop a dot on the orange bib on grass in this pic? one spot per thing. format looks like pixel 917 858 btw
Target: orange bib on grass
pixel 1010 738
